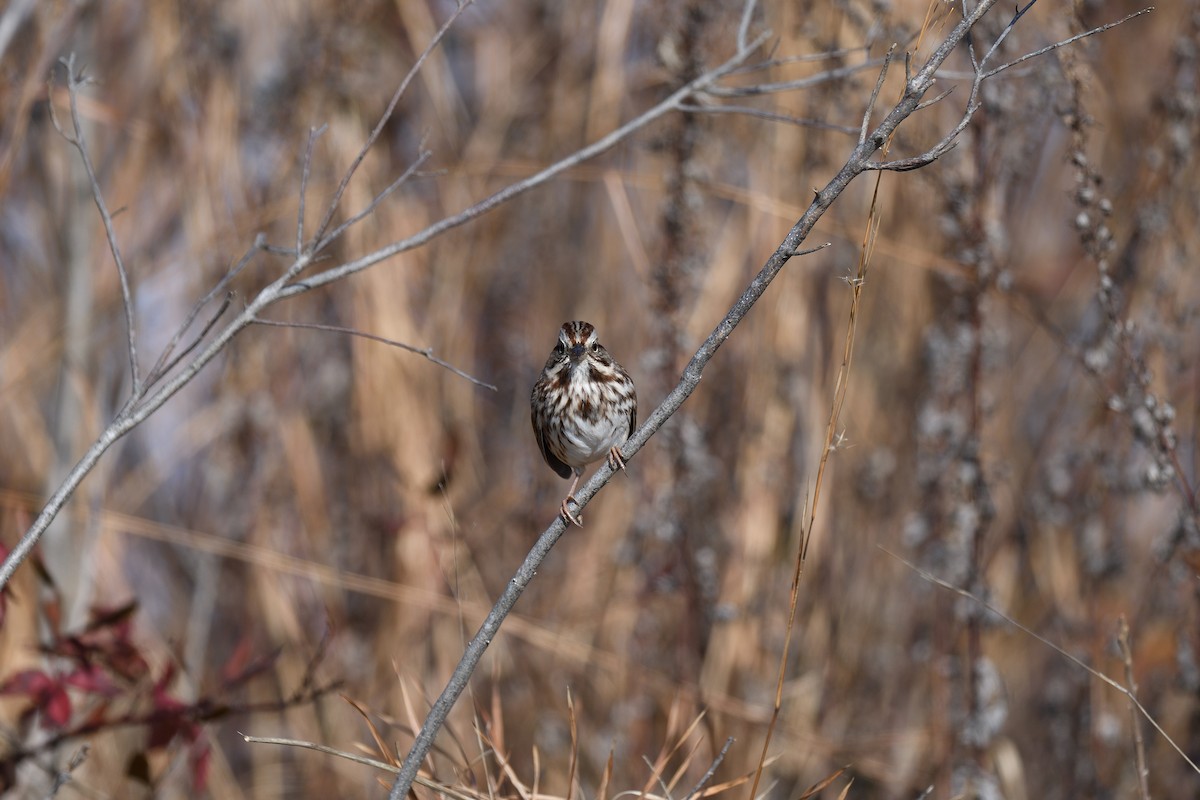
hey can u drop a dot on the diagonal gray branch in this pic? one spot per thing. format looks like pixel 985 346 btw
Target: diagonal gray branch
pixel 605 143
pixel 79 141
pixel 855 165
pixel 858 162
pixel 162 388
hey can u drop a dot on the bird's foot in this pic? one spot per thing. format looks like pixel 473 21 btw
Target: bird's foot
pixel 615 460
pixel 565 510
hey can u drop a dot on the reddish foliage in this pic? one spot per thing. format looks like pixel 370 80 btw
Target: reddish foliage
pixel 104 662
pixel 46 694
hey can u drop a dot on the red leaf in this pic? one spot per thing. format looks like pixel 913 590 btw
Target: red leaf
pixel 92 680
pixel 56 708
pixel 124 659
pixel 45 695
pixel 29 681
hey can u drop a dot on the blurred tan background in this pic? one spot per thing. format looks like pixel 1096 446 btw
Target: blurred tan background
pixel 309 484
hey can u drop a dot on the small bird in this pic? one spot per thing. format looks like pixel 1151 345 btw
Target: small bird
pixel 584 407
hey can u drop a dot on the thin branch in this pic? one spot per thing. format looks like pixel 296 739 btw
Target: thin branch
pixel 276 250
pixel 866 120
pixel 712 770
pixel 441 788
pixel 771 116
pixel 1139 746
pixel 208 326
pixel 412 171
pixel 1066 42
pixel 744 27
pixel 63 777
pixel 282 288
pixel 313 135
pixel 161 367
pixel 1095 673
pixel 79 140
pixel 320 748
pixel 970 40
pixel 204 710
pixel 799 83
pixel 1012 23
pixel 427 352
pixel 387 115
pixel 771 63
pixel 671 103
pixel 973 103
pixel 656 775
pixel 856 164
pixel 809 251
pixel 939 98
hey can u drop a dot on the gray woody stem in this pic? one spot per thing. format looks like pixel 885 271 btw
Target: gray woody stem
pixel 289 285
pixel 855 165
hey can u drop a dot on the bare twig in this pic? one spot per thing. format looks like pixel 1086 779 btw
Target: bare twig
pixel 208 326
pixel 973 103
pixel 283 287
pixel 313 135
pixel 772 63
pixel 866 121
pixel 1139 746
pixel 387 115
pixel 320 748
pixel 744 28
pixel 1065 42
pixel 1095 673
pixel 441 788
pixel 936 99
pixel 799 83
pixel 857 163
pixel 63 777
pixel 79 141
pixel 412 171
pixel 683 94
pixel 712 770
pixel 427 352
pixel 770 116
pixel 162 367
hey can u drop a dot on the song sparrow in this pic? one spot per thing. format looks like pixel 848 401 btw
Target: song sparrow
pixel 584 407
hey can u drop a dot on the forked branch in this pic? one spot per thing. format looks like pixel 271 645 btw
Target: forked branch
pixel 858 162
pixel 78 140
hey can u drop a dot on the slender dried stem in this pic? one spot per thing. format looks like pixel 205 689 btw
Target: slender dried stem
pixel 856 164
pixel 141 406
pixel 1095 673
pixel 79 140
pixel 712 770
pixel 427 352
pixel 1139 746
pixel 306 168
pixel 387 115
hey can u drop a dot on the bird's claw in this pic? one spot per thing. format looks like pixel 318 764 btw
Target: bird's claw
pixel 567 516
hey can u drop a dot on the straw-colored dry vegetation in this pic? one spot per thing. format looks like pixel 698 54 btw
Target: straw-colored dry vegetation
pixel 1021 417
